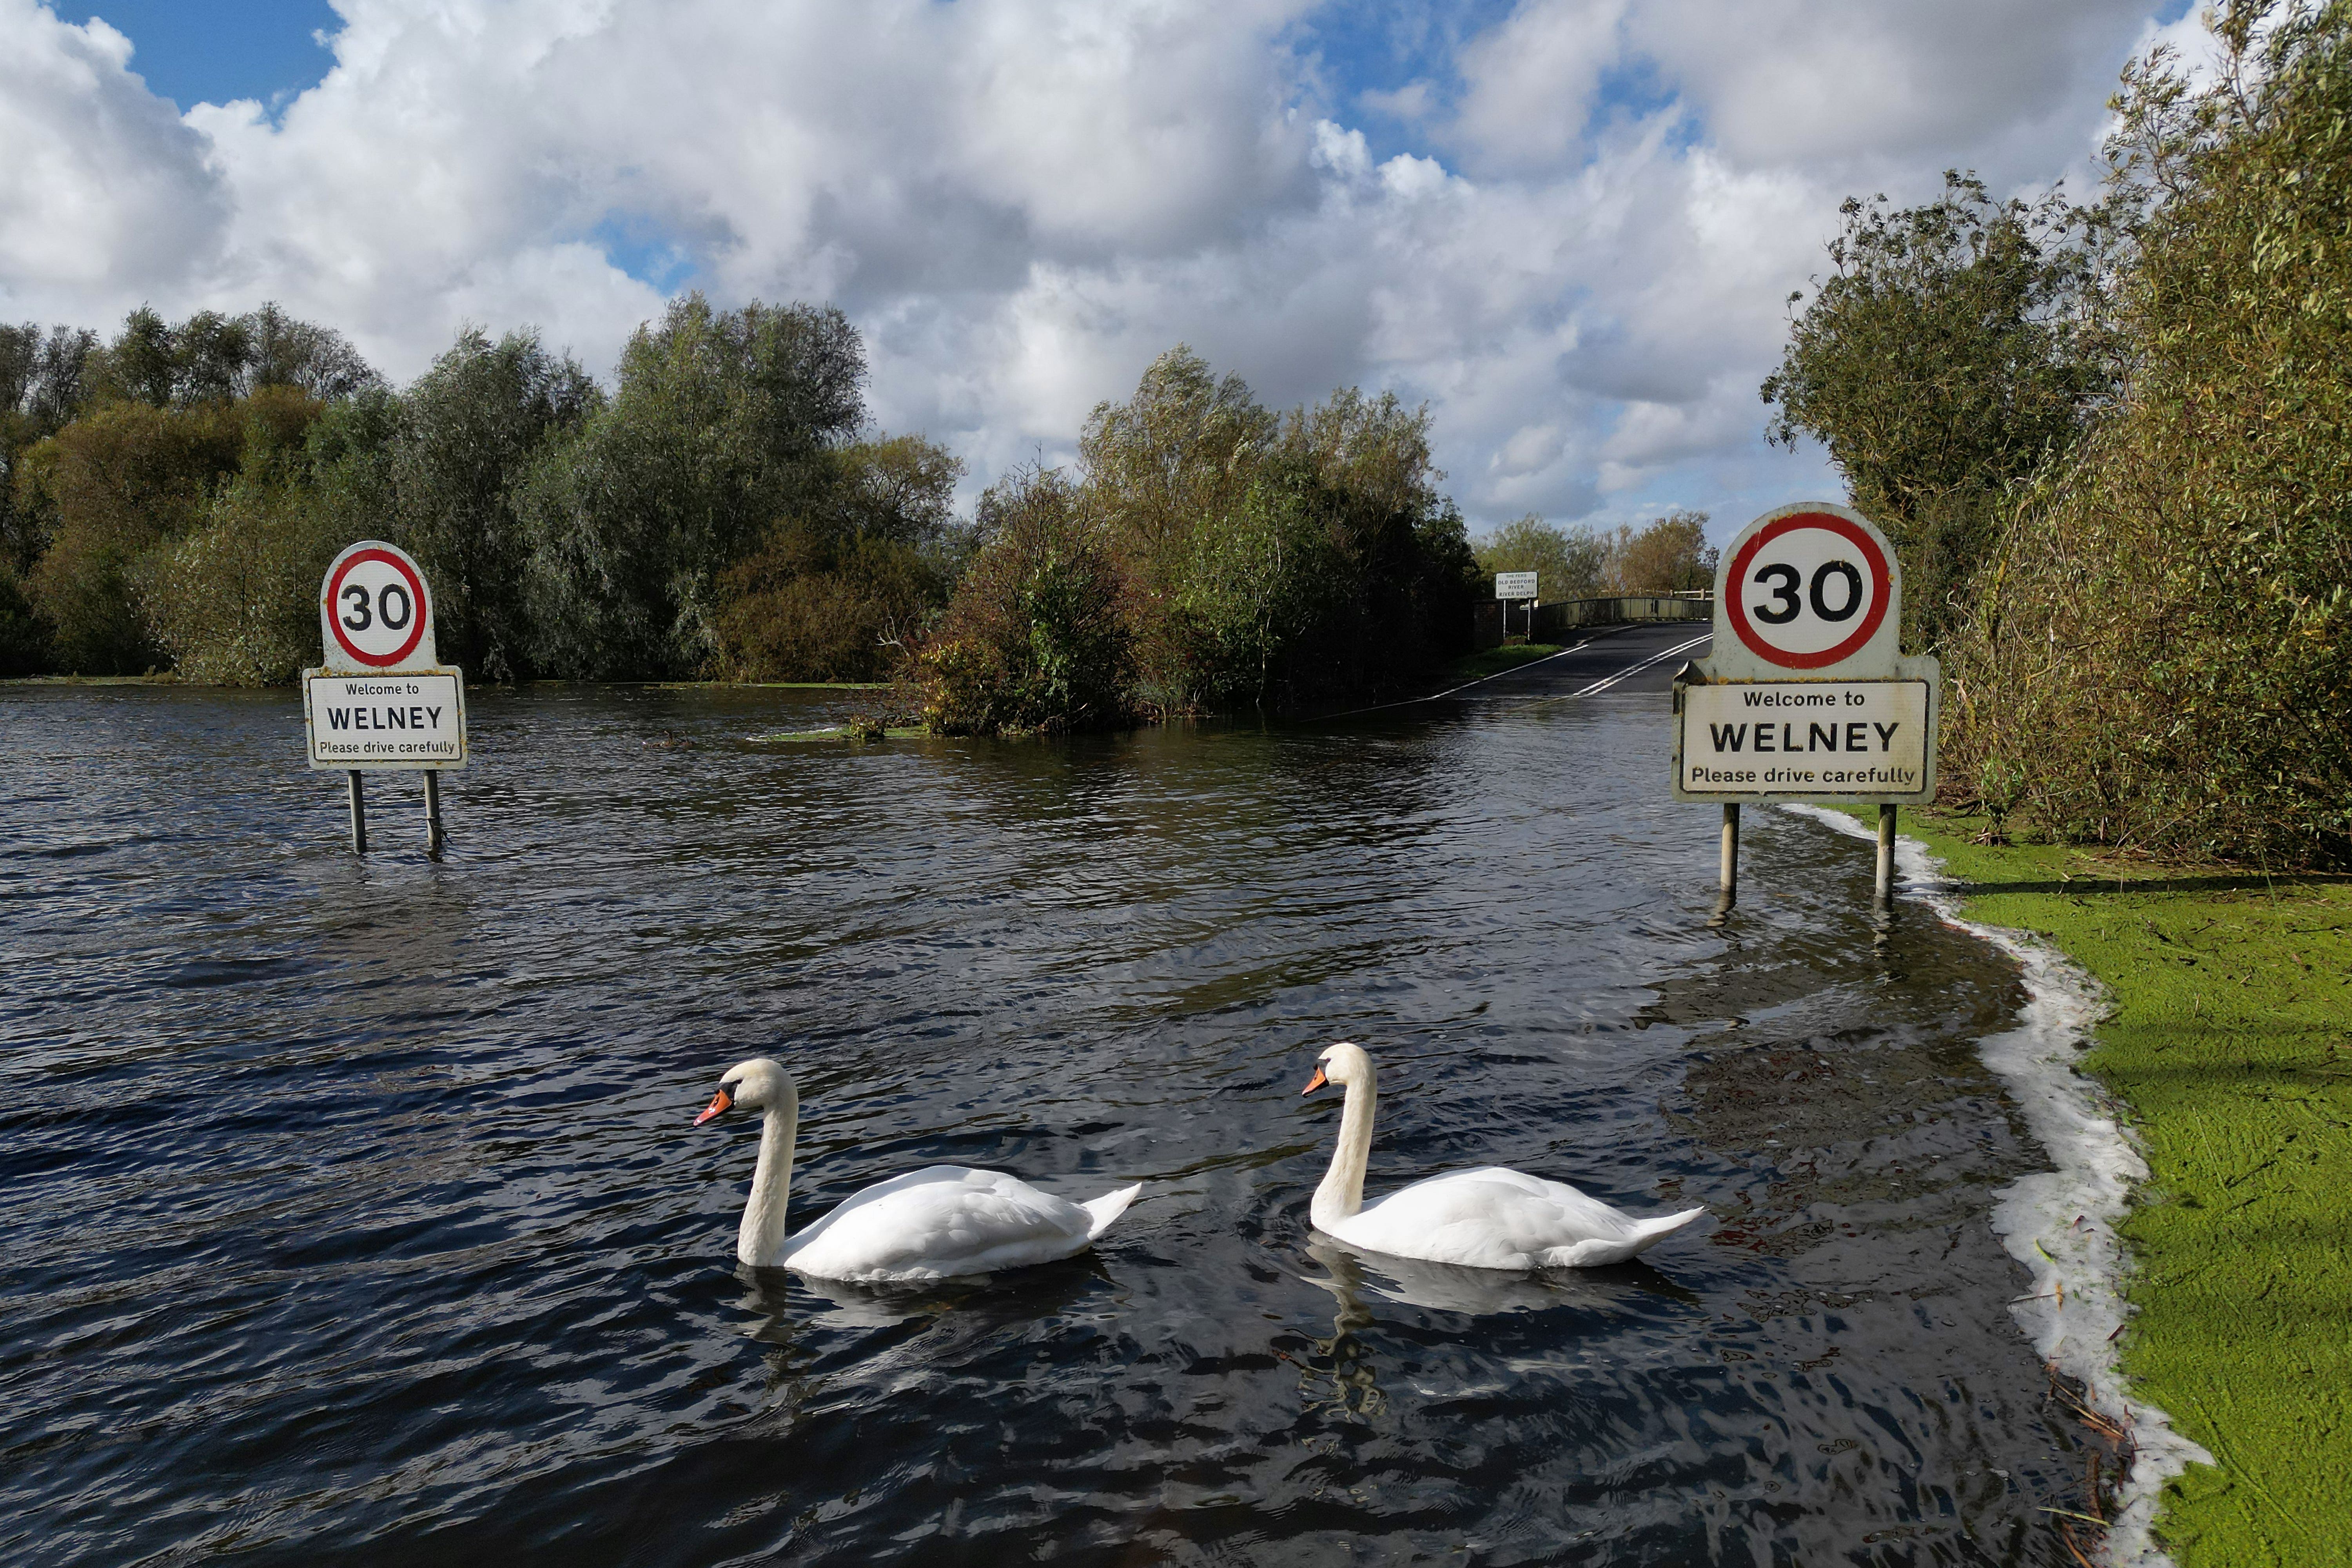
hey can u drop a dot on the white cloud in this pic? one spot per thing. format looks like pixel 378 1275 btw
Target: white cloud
pixel 1579 261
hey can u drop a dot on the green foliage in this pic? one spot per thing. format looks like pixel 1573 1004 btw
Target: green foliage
pixel 1272 558
pixel 103 492
pixel 465 435
pixel 1569 562
pixel 839 591
pixel 722 424
pixel 214 358
pixel 1037 637
pixel 1955 349
pixel 2163 655
pixel 236 602
pixel 1669 554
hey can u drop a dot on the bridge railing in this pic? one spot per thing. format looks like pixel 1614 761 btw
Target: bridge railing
pixel 1549 621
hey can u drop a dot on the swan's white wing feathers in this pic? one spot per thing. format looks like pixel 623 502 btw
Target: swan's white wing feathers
pixel 938 1222
pixel 1500 1218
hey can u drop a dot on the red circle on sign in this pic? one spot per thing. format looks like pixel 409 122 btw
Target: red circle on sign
pixel 1880 589
pixel 416 587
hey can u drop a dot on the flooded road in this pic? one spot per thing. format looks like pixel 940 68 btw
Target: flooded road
pixel 352 1211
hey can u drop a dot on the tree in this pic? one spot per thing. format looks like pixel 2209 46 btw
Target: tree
pixel 721 425
pixel 1670 555
pixel 2163 655
pixel 1038 638
pixel 1569 562
pixel 469 429
pixel 840 590
pixel 104 491
pixel 1956 348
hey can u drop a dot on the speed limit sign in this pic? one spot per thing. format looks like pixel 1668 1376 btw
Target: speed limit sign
pixel 377 612
pixel 1812 589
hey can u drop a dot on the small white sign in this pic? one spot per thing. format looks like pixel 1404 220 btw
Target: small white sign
pixel 1515 584
pixel 415 719
pixel 1806 740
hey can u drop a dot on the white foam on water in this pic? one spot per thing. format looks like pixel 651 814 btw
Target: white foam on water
pixel 2062 1224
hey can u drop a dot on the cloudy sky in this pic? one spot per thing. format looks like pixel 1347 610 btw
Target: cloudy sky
pixel 1568 226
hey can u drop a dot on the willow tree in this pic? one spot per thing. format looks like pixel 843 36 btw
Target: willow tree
pixel 1956 348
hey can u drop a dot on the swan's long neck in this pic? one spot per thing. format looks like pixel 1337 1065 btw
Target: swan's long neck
pixel 1342 1191
pixel 760 1240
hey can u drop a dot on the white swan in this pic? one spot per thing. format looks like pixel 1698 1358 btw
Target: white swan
pixel 1490 1218
pixel 938 1222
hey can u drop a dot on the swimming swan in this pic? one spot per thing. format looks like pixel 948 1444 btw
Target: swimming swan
pixel 937 1223
pixel 1490 1218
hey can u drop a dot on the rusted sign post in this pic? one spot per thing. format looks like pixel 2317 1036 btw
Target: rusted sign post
pixel 1806 694
pixel 381 701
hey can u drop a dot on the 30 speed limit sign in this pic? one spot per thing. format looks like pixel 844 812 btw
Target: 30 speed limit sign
pixel 375 607
pixel 1809 589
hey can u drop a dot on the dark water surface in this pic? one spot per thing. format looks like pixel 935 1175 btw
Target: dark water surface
pixel 352 1211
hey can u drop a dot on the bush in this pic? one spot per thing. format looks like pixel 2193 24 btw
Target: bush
pixel 107 488
pixel 2162 657
pixel 841 591
pixel 236 602
pixel 1037 637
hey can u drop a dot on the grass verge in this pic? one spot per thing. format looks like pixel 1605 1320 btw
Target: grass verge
pixel 1495 660
pixel 2230 1043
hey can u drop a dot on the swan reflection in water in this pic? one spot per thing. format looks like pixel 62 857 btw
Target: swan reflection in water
pixel 788 1303
pixel 1346 1380
pixel 1479 1292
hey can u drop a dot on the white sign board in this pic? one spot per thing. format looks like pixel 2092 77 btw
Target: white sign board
pixel 413 720
pixel 1806 693
pixel 1515 584
pixel 1831 739
pixel 381 697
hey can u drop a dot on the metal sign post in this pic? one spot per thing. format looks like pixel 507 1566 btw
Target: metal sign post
pixel 1510 585
pixel 381 701
pixel 1806 694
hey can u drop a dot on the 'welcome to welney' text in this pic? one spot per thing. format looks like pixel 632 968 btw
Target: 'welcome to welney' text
pixel 1824 737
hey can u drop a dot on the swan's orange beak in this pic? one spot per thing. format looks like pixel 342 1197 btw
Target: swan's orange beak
pixel 1318 1081
pixel 719 1102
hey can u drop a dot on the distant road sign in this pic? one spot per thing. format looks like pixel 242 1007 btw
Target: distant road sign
pixel 1515 584
pixel 1812 588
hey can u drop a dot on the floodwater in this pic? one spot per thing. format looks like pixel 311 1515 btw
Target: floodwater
pixel 352 1212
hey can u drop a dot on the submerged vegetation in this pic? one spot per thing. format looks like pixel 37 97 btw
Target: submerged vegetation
pixel 2116 446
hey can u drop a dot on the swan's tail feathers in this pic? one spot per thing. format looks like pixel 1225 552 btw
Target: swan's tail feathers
pixel 1108 1208
pixel 1649 1232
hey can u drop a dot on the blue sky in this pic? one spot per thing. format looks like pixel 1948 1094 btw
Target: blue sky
pixel 1568 227
pixel 196 53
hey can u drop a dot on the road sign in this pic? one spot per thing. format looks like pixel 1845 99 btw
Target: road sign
pixel 412 720
pixel 1814 740
pixel 1515 584
pixel 381 700
pixel 1806 693
pixel 1813 590
pixel 376 614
